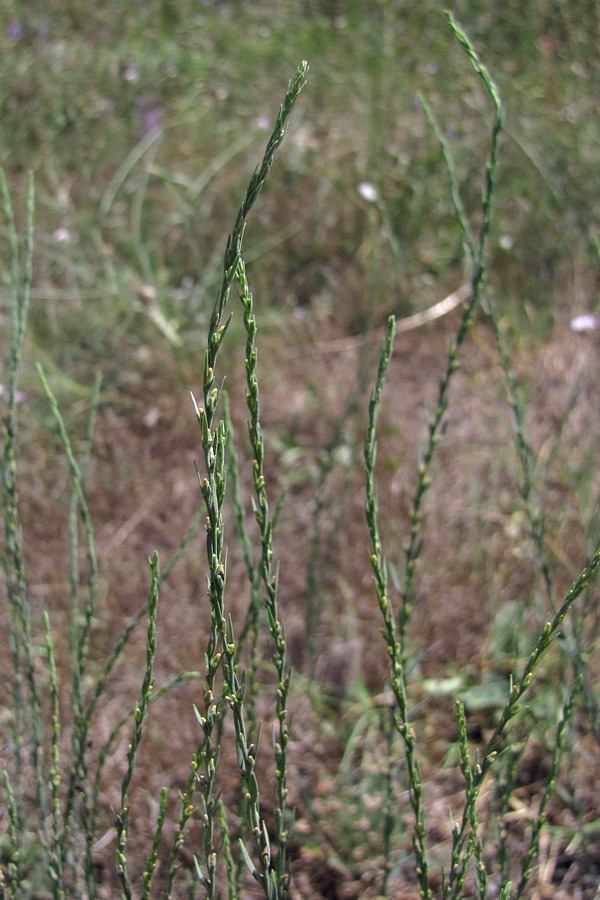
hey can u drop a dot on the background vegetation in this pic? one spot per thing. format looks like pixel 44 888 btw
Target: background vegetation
pixel 142 125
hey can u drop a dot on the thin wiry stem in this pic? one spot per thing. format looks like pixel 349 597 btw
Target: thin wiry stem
pixel 153 857
pixel 395 630
pixel 477 251
pixel 462 830
pixel 250 626
pixel 276 878
pixel 212 483
pixel 540 819
pixel 391 632
pixel 122 819
pixel 81 633
pixel 14 844
pixel 55 850
pixel 26 699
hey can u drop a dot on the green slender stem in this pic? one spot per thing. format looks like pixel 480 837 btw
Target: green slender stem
pixel 250 626
pixel 26 698
pixel 540 820
pixel 108 744
pixel 55 850
pixel 212 484
pixel 156 840
pixel 79 628
pixel 511 708
pixel 477 250
pixel 78 771
pixel 116 654
pixel 389 812
pixel 24 681
pixel 233 249
pixel 278 877
pixel 504 785
pixel 14 851
pixel 77 482
pixel 188 537
pixel 122 819
pixel 525 454
pixel 474 844
pixel 390 631
pixel 232 881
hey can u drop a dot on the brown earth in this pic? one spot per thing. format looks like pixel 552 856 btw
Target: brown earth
pixel 142 491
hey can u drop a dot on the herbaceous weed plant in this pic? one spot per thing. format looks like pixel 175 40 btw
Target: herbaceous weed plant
pixel 240 821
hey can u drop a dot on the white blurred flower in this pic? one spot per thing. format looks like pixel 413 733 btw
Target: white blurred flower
pixel 506 242
pixel 262 122
pixel 152 417
pixel 584 322
pixel 130 73
pixel 368 192
pixel 62 235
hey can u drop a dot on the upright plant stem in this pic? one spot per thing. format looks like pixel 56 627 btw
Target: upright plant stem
pixel 122 819
pixel 395 630
pixel 477 252
pixel 250 626
pixel 540 819
pixel 220 648
pixel 391 632
pixel 269 576
pixel 56 855
pixel 462 830
pixel 80 633
pixel 26 700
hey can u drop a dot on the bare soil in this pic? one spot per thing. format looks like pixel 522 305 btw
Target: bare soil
pixel 142 491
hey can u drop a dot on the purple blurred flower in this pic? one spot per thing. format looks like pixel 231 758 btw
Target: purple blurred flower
pixel 151 116
pixel 19 395
pixel 43 31
pixel 14 30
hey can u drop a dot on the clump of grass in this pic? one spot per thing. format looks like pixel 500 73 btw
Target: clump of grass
pixel 61 826
pixel 466 840
pixel 235 838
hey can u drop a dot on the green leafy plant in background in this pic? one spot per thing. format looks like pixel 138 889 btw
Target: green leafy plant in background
pixel 60 825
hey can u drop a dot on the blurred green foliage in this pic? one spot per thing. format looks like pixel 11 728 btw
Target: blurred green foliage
pixel 184 91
